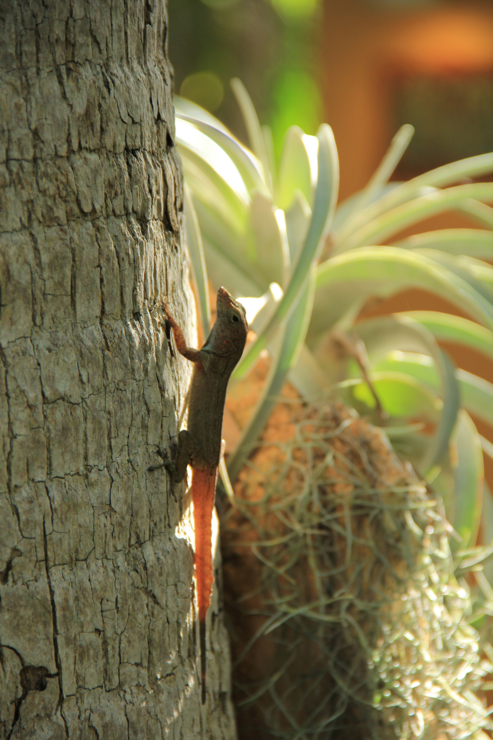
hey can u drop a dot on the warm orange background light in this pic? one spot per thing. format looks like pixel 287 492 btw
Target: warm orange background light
pixel 449 41
pixel 363 52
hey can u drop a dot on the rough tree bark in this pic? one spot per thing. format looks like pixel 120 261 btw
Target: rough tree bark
pixel 97 625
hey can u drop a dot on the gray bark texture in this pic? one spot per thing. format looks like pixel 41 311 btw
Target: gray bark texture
pixel 98 628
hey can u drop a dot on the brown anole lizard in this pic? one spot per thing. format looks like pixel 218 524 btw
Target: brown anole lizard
pixel 200 444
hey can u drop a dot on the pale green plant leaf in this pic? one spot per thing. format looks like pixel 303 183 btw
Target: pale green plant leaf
pixel 226 269
pixel 308 377
pixel 196 251
pixel 267 240
pixel 477 273
pixel 378 182
pixel 476 393
pixel 208 186
pixel 247 166
pixel 254 130
pixel 284 357
pixel 295 168
pixel 297 223
pixel 472 242
pixel 218 238
pixel 487 519
pixel 393 333
pixel 412 212
pixel 323 210
pixel 270 159
pixel 346 281
pixel 400 394
pixel 448 328
pixel 480 212
pixel 467 467
pixel 437 178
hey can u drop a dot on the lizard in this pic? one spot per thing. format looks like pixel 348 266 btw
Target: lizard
pixel 200 445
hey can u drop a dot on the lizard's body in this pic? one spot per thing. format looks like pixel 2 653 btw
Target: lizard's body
pixel 200 445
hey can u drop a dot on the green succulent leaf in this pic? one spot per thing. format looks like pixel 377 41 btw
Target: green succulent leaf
pixel 476 393
pixel 297 171
pixel 487 524
pixel 477 273
pixel 254 130
pixel 196 251
pixel 247 166
pixel 378 184
pixel 471 242
pixel 323 210
pixel 400 394
pixel 384 335
pixel 214 191
pixel 217 240
pixel 345 282
pixel 408 214
pixel 467 467
pixel 448 328
pixel 297 223
pixel 267 241
pixel 405 192
pixel 284 357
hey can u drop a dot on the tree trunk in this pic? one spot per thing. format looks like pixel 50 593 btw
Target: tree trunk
pixel 98 627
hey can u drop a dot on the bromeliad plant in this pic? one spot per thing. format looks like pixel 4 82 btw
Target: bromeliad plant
pixel 277 235
pixel 366 609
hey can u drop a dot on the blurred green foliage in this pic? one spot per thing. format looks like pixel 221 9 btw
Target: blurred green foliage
pixel 269 44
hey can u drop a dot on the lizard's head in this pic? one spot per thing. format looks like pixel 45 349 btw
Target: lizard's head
pixel 231 320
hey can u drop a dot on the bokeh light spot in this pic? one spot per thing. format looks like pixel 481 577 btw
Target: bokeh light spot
pixel 294 9
pixel 203 88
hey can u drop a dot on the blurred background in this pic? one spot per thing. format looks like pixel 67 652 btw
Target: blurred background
pixel 363 66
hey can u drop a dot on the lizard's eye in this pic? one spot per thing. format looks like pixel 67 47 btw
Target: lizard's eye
pixel 235 317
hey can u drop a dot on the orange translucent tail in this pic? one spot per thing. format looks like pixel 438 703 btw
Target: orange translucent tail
pixel 203 492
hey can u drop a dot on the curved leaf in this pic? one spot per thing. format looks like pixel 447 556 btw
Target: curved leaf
pixel 196 251
pixel 308 378
pixel 270 159
pixel 476 393
pixel 267 240
pixel 295 168
pixel 346 281
pixel 253 128
pixel 480 212
pixel 248 167
pixel 378 182
pixel 448 328
pixel 440 177
pixel 392 333
pixel 297 223
pixel 323 210
pixel 400 394
pixel 467 467
pixel 477 273
pixel 471 242
pixel 223 270
pixel 487 525
pixel 284 358
pixel 402 216
pixel 217 238
pixel 211 188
